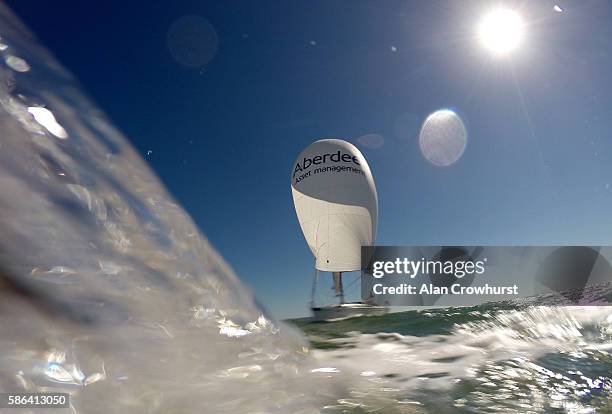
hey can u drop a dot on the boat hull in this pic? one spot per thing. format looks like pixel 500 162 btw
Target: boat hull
pixel 347 310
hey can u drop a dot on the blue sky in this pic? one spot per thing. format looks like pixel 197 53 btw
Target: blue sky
pixel 223 137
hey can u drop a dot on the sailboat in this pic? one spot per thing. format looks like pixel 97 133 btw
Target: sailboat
pixel 336 204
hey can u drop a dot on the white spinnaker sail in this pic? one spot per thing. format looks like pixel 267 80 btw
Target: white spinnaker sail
pixel 336 203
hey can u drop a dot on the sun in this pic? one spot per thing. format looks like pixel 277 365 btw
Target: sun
pixel 501 31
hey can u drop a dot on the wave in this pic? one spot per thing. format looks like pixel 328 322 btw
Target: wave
pixel 480 359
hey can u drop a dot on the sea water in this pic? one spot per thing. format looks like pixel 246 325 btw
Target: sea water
pixel 109 292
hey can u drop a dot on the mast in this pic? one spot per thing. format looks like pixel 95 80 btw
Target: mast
pixel 338 286
pixel 314 288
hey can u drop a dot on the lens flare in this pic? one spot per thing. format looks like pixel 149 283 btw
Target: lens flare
pixel 443 138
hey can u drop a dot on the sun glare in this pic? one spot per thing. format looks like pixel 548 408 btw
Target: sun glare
pixel 501 31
